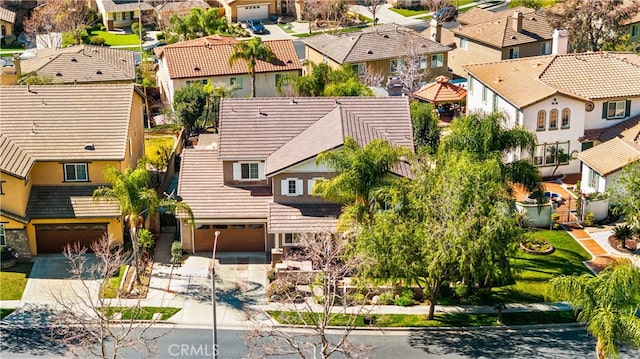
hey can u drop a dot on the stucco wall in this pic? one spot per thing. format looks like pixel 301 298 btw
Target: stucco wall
pixel 15 194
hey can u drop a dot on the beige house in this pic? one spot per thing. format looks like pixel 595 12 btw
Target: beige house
pixel 7 21
pixel 632 27
pixel 254 184
pixel 240 10
pixel 119 14
pixel 381 50
pixel 484 36
pixel 206 60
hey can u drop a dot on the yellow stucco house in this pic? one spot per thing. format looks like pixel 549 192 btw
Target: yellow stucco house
pixel 55 143
pixel 7 21
pixel 240 10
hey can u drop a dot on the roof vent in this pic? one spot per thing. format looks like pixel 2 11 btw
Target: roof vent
pixel 196 68
pixel 289 62
pixel 337 102
pixel 34 128
pixel 89 147
pixel 74 59
pixel 369 52
pixel 98 72
pixel 513 37
pixel 121 59
pixel 262 113
pixel 385 36
pixel 498 80
pixel 58 74
pixel 293 101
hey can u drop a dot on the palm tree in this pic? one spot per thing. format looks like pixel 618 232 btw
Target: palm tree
pixel 251 51
pixel 487 137
pixel 607 304
pixel 130 189
pixel 622 232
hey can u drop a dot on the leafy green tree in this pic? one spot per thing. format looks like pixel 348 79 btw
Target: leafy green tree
pixel 532 4
pixel 487 137
pixel 607 303
pixel 426 129
pixel 324 81
pixel 625 192
pixel 250 51
pixel 197 23
pixel 130 189
pixel 190 104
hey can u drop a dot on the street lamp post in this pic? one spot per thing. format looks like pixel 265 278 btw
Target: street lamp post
pixel 213 294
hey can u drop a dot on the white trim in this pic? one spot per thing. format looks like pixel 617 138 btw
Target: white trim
pixel 86 172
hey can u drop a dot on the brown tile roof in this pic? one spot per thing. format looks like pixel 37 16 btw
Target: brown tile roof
pixel 441 90
pixel 253 128
pixel 381 42
pixel 82 63
pixel 475 15
pixel 201 186
pixel 182 7
pixel 7 15
pixel 498 31
pixel 14 159
pixel 636 17
pixel 124 5
pixel 211 58
pixel 621 145
pixel 302 218
pixel 605 134
pixel 54 123
pixel 68 202
pixel 610 75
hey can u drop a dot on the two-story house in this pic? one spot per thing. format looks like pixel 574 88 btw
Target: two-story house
pixel 7 22
pixel 255 184
pixel 55 143
pixel 381 49
pixel 206 60
pixel 484 36
pixel 563 99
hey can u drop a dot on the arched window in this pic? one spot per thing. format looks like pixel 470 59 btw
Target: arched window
pixel 566 114
pixel 553 119
pixel 542 119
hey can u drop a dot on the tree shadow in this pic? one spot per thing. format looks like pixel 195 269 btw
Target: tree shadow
pixel 26 331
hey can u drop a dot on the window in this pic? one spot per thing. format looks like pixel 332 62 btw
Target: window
pixel 586 145
pixel 249 171
pixel 550 154
pixel 553 119
pixel 281 80
pixel 291 239
pixel 463 43
pixel 310 183
pixel 545 48
pixel 566 114
pixel 75 172
pixel 634 30
pixel 594 179
pixel 291 187
pixel 395 64
pixel 1 190
pixel 495 102
pixel 359 68
pixel 192 82
pixel 616 109
pixel 3 239
pixel 421 63
pixel 538 155
pixel 485 94
pixel 236 82
pixel 514 53
pixel 437 60
pixel 542 120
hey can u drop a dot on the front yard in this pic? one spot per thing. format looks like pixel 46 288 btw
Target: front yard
pixel 113 39
pixel 13 281
pixel 153 146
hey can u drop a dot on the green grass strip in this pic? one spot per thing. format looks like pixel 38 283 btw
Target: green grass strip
pixel 142 313
pixel 5 311
pixel 13 281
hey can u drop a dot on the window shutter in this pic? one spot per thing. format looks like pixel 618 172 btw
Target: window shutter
pixel 605 108
pixel 299 189
pixel 284 187
pixel 627 108
pixel 236 171
pixel 261 174
pixel 310 183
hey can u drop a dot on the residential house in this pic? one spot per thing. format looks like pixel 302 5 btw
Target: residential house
pixel 602 164
pixel 7 21
pixel 80 64
pixel 381 49
pixel 240 10
pixel 255 184
pixel 120 14
pixel 484 36
pixel 207 60
pixel 166 10
pixel 55 142
pixel 561 98
pixel 632 26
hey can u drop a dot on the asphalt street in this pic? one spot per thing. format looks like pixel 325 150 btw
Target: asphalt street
pixel 571 343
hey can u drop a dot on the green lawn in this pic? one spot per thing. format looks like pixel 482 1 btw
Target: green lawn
pixel 113 285
pixel 4 312
pixel 112 39
pixel 286 28
pixel 534 271
pixel 407 12
pixel 441 320
pixel 143 313
pixel 13 280
pixel 152 144
pixel 346 29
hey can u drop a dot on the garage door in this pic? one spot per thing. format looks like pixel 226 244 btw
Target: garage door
pixel 259 12
pixel 52 238
pixel 232 238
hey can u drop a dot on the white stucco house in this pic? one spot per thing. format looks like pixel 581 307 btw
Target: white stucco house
pixel 566 100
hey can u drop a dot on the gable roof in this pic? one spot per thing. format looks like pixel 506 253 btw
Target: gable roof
pixel 54 123
pixel 586 76
pixel 303 218
pixel 82 63
pixel 210 57
pixel 475 15
pixel 381 42
pixel 497 29
pixel 123 5
pixel 254 128
pixel 7 15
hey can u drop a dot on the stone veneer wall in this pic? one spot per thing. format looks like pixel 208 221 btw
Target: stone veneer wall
pixel 18 240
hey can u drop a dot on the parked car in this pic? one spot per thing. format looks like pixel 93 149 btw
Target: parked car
pixel 447 13
pixel 255 26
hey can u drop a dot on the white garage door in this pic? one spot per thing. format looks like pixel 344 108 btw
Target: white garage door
pixel 253 12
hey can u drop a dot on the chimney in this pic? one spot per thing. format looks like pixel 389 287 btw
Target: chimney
pixel 517 21
pixel 435 28
pixel 560 42
pixel 16 64
pixel 8 76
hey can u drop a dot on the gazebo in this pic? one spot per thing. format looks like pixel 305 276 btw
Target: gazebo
pixel 448 98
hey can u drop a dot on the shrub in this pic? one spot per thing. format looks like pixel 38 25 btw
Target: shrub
pixel 405 299
pixel 97 40
pixel 461 290
pixel 589 219
pixel 160 36
pixel 271 275
pixel 103 28
pixel 9 39
pixel 385 298
pixel 556 220
pixel 145 239
pixel 280 289
pixel 176 253
pixel 135 28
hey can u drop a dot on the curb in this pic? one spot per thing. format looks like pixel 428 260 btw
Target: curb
pixel 400 329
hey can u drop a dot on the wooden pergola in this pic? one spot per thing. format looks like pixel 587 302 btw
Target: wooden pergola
pixel 448 98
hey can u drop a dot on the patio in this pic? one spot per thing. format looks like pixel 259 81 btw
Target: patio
pixel 564 207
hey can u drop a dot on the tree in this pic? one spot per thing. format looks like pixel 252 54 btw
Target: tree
pixel 607 303
pixel 592 24
pixel 412 69
pixel 374 6
pixel 359 173
pixel 532 4
pixel 250 52
pixel 190 103
pixel 331 14
pixel 426 129
pixel 216 92
pixel 70 16
pixel 623 232
pixel 487 137
pixel 85 316
pixel 625 192
pixel 326 252
pixel 197 23
pixel 324 81
pixel 130 189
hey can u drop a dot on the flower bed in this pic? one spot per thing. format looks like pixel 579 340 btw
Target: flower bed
pixel 537 245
